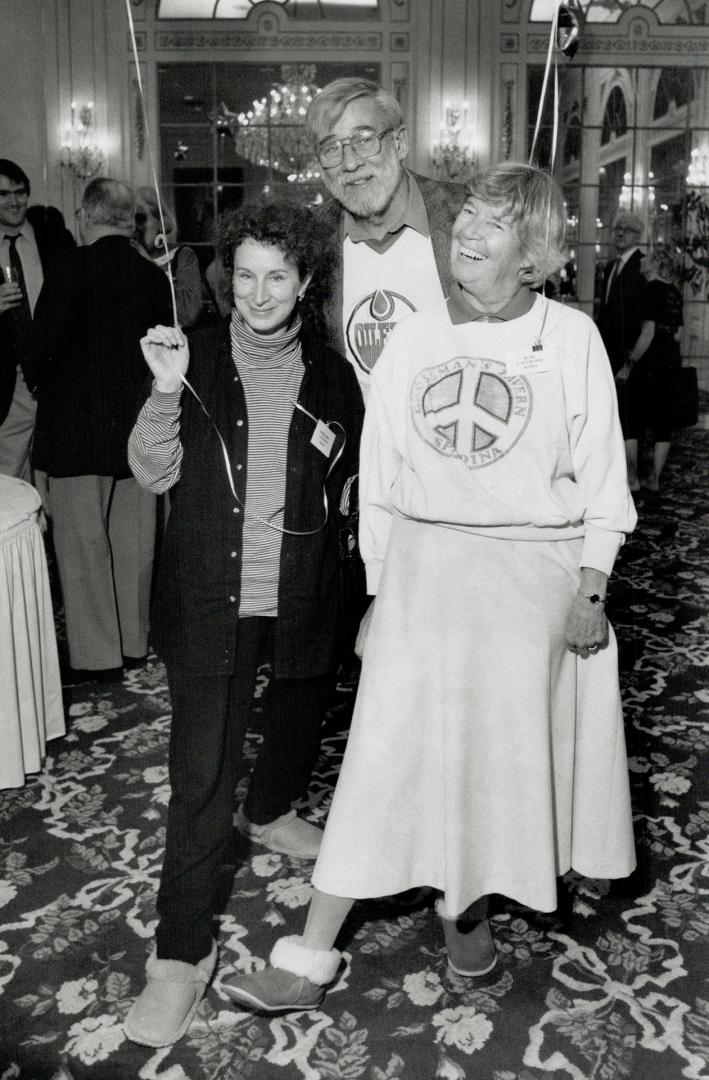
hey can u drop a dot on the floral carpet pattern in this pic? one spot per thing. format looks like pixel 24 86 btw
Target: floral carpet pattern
pixel 612 986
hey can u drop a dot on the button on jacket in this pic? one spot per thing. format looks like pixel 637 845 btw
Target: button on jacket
pixel 196 608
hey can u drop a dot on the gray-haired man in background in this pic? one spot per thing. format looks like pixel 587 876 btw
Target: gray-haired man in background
pixel 95 305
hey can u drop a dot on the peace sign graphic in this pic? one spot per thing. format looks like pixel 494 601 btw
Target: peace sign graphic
pixel 470 409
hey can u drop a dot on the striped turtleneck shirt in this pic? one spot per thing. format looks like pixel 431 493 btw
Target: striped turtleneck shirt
pixel 270 370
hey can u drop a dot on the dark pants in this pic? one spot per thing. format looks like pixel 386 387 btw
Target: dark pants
pixel 209 721
pixel 651 391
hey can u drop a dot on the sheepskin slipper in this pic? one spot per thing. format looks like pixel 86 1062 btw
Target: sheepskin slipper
pixel 165 1009
pixel 296 980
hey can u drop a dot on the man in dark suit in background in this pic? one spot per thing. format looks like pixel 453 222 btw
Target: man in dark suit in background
pixel 622 308
pixel 95 305
pixel 24 252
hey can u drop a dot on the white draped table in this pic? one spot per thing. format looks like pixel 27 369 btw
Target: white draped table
pixel 31 710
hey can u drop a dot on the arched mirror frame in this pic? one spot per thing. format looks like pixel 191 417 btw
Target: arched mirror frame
pixel 625 56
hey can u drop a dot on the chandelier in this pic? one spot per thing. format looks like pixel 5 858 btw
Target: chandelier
pixel 272 133
pixel 79 154
pixel 698 171
pixel 453 154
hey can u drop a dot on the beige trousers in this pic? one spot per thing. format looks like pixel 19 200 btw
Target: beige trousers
pixel 16 433
pixel 104 539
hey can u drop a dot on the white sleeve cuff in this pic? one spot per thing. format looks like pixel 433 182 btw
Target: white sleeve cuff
pixel 600 548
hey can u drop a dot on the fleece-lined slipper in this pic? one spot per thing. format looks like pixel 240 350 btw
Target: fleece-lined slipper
pixel 165 1009
pixel 296 980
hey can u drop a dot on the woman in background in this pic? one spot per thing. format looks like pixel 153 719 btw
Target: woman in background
pixel 653 364
pixel 159 246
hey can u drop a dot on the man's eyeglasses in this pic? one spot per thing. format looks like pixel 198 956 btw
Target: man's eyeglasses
pixel 364 144
pixel 16 193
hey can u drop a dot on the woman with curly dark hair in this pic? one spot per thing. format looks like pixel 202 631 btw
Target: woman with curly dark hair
pixel 255 461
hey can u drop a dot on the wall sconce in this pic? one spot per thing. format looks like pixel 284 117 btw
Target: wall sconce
pixel 78 153
pixel 453 152
pixel 698 171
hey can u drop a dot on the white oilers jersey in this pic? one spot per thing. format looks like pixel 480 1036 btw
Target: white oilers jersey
pixel 379 290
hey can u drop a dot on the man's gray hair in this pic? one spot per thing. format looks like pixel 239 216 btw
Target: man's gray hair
pixel 110 203
pixel 328 106
pixel 626 219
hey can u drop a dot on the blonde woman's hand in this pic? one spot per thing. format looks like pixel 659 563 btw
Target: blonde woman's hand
pixel 586 627
pixel 167 355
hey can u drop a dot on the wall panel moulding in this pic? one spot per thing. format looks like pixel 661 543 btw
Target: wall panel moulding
pixel 399 42
pixel 511 10
pixel 141 41
pixel 399 11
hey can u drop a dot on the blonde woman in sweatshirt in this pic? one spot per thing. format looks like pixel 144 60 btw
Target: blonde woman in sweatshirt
pixel 486 753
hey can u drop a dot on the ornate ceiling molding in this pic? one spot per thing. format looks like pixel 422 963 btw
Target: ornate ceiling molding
pixel 620 44
pixel 251 41
pixel 645 46
pixel 636 34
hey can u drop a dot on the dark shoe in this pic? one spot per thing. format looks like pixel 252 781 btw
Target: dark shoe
pixel 165 1009
pixel 130 663
pixel 73 676
pixel 296 980
pixel 470 946
pixel 288 834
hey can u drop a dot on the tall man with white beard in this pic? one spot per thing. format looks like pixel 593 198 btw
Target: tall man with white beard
pixel 391 228
pixel 391 239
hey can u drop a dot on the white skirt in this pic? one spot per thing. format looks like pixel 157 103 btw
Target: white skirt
pixel 483 755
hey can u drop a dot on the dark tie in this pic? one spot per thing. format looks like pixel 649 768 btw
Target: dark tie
pixel 22 314
pixel 615 269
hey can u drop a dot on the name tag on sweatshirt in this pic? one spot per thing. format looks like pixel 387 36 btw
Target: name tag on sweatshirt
pixel 531 361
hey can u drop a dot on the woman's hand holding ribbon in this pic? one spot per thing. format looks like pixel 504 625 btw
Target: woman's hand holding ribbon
pixel 167 354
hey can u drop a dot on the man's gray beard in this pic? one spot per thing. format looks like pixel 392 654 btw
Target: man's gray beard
pixel 374 198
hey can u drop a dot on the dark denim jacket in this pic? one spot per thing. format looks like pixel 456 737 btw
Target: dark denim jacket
pixel 196 604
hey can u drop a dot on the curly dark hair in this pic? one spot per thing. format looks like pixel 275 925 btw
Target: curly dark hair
pixel 298 235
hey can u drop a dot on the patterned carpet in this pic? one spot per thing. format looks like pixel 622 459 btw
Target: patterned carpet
pixel 612 986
